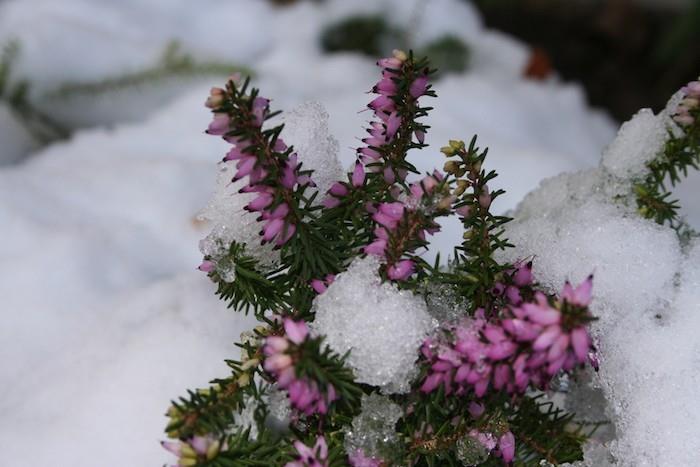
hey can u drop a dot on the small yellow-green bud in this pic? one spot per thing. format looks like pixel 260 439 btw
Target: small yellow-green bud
pixel 457 145
pixel 447 150
pixel 187 452
pixel 451 167
pixel 213 450
pixel 243 380
pixel 462 186
pixel 400 55
pixel 253 362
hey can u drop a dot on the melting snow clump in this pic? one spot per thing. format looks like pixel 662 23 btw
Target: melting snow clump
pixel 306 128
pixel 373 430
pixel 380 325
pixel 638 142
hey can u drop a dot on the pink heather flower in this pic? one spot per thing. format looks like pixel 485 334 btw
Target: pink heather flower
pixel 506 444
pixel 207 266
pixel 320 286
pixel 486 439
pixel 358 175
pixel 401 270
pixel 296 331
pixel 420 136
pixel 219 125
pixel 523 274
pixel 392 125
pixel 385 86
pixel 310 457
pixel 581 295
pixel 216 98
pixel 260 109
pixel 358 459
pixel 692 89
pixel 464 211
pixel 260 202
pixel 419 86
pixel 376 248
pixel 476 409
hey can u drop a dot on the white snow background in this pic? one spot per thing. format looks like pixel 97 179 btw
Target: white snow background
pixel 104 318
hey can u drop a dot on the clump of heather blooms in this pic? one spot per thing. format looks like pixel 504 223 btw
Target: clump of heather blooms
pixel 525 347
pixel 374 379
pixel 317 456
pixel 689 107
pixel 305 394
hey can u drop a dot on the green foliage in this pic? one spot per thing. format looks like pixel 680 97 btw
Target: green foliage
pixel 545 431
pixel 369 35
pixel 474 268
pixel 14 92
pixel 252 288
pixel 448 54
pixel 654 196
pixel 174 64
pixel 373 36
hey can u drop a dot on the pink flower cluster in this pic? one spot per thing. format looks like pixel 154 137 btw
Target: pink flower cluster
pixel 339 190
pixel 690 103
pixel 194 450
pixel 259 161
pixel 310 457
pixel 533 342
pixel 400 224
pixel 304 394
pixel 504 445
pixel 320 285
pixel 358 459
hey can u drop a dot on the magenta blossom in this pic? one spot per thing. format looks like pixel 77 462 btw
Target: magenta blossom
pixel 305 395
pixel 310 457
pixel 358 459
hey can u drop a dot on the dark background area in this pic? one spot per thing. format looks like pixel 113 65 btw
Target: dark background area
pixel 627 54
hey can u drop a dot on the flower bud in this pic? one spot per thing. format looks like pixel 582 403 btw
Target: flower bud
pixel 451 167
pixel 457 145
pixel 400 55
pixel 447 151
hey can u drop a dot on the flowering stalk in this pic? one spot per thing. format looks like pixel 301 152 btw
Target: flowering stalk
pixel 476 269
pixel 272 169
pixel 392 134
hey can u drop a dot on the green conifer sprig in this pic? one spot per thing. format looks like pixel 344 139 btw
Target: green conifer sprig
pixel 654 193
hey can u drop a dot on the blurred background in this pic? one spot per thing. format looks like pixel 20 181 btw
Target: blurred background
pixel 104 166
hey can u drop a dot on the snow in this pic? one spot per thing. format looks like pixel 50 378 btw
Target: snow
pixel 379 324
pixel 638 142
pixel 373 431
pixel 105 318
pixel 645 296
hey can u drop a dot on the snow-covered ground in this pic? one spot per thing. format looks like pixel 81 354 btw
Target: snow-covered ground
pixel 104 317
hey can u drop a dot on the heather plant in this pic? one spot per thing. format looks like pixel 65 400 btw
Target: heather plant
pixel 367 354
